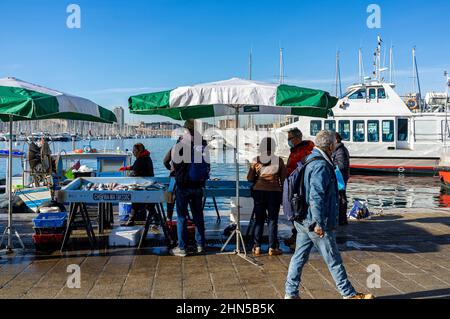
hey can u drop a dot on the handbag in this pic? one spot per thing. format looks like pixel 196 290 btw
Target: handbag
pixel 339 179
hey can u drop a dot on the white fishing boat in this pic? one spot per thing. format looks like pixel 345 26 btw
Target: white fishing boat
pixel 383 132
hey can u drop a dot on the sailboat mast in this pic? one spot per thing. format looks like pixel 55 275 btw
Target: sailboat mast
pixel 416 78
pixel 281 67
pixel 338 75
pixel 250 66
pixel 361 80
pixel 391 62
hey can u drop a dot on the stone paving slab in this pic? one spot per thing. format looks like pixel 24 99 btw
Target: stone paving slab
pixel 411 248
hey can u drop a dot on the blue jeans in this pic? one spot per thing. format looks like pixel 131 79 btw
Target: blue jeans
pixel 327 247
pixel 267 206
pixel 192 197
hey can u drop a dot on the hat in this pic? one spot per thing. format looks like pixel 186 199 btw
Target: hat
pixel 189 124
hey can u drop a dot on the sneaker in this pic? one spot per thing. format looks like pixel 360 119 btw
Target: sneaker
pixel 361 296
pixel 256 251
pixel 275 252
pixel 177 251
pixel 200 249
pixel 291 297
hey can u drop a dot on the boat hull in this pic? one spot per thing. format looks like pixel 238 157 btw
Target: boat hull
pixel 393 166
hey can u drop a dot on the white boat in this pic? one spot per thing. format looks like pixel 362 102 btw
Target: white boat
pixel 383 132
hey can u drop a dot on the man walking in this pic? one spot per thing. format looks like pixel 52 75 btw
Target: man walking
pixel 191 165
pixel 317 227
pixel 300 149
pixel 341 158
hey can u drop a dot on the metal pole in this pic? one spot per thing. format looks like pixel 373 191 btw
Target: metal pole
pixel 10 204
pixel 236 158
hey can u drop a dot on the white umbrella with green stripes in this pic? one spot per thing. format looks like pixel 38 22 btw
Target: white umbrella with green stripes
pixel 234 97
pixel 23 101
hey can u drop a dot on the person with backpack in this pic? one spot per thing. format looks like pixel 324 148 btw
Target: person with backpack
pixel 142 167
pixel 315 217
pixel 300 149
pixel 190 160
pixel 341 158
pixel 267 173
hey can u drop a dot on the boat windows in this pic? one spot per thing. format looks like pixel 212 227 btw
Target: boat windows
pixel 387 131
pixel 344 130
pixel 358 95
pixel 402 130
pixel 381 93
pixel 315 127
pixel 372 94
pixel 373 131
pixel 330 125
pixel 358 131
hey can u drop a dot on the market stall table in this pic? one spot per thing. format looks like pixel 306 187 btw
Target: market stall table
pixel 104 191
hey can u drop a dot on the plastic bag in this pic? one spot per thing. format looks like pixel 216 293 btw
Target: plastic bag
pixel 359 210
pixel 340 179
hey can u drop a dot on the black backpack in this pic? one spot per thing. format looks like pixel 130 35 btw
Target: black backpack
pixel 295 206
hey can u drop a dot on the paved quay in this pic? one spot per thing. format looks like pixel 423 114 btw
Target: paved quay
pixel 411 247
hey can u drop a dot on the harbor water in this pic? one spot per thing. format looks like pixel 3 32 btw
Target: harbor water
pixel 381 192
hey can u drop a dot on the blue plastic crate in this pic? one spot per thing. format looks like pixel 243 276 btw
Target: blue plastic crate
pixel 50 220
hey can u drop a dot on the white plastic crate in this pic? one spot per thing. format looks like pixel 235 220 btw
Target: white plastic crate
pixel 246 204
pixel 125 236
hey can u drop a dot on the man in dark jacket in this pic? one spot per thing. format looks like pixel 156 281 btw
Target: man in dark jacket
pixel 191 174
pixel 341 158
pixel 317 229
pixel 142 167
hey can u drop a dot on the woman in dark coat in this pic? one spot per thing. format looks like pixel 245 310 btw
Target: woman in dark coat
pixel 341 158
pixel 142 167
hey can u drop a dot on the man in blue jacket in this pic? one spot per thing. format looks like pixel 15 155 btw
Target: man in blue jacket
pixel 317 229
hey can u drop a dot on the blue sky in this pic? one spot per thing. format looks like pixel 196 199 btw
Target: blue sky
pixel 129 47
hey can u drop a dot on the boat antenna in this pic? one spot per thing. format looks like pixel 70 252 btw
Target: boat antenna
pixel 360 66
pixel 338 75
pixel 378 59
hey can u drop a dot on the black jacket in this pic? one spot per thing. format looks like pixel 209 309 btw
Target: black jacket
pixel 143 166
pixel 181 169
pixel 341 158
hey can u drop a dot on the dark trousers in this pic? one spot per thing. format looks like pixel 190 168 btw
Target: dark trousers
pixel 137 212
pixel 343 203
pixel 192 197
pixel 266 206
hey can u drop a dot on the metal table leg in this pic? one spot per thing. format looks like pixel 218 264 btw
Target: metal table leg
pixel 72 209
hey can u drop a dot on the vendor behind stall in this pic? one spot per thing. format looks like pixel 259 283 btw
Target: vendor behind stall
pixel 142 167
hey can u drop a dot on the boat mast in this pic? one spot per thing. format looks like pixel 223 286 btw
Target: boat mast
pixel 360 67
pixel 447 85
pixel 250 66
pixel 281 81
pixel 416 78
pixel 338 76
pixel 378 59
pixel 391 62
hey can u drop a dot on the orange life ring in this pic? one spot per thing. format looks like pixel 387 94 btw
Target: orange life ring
pixel 412 104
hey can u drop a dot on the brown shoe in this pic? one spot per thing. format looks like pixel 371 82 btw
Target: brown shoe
pixel 275 252
pixel 256 251
pixel 361 296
